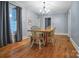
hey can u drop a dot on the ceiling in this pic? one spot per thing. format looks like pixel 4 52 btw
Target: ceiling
pixel 53 6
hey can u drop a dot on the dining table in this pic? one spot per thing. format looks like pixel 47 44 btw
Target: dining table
pixel 44 31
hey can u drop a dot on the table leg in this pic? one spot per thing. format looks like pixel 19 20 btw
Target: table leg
pixel 45 37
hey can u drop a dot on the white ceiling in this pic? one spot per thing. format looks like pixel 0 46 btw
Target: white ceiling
pixel 53 6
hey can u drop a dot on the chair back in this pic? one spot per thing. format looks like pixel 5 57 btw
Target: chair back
pixel 34 27
pixel 34 34
pixel 53 32
pixel 49 27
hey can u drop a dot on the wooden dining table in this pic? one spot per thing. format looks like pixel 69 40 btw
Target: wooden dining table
pixel 45 31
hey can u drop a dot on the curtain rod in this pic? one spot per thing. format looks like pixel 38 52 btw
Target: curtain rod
pixel 13 4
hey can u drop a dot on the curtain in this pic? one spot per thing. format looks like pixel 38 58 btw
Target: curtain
pixel 19 24
pixel 4 23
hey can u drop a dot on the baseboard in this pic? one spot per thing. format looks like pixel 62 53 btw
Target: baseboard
pixel 25 38
pixel 61 33
pixel 73 43
pixel 75 46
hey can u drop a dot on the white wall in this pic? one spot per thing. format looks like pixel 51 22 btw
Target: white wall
pixel 26 16
pixel 73 18
pixel 30 17
pixel 60 21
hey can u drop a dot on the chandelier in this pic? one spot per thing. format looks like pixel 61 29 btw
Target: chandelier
pixel 44 10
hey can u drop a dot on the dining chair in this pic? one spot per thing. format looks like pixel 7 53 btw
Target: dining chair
pixel 51 38
pixel 33 34
pixel 49 27
pixel 37 38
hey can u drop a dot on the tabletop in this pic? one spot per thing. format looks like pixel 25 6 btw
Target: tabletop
pixel 42 30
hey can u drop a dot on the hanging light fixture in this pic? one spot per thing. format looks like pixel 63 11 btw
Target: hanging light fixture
pixel 44 10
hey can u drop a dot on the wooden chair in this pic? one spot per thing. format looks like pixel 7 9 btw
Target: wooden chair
pixel 33 34
pixel 37 38
pixel 49 27
pixel 51 38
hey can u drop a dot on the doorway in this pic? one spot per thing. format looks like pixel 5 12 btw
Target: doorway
pixel 47 22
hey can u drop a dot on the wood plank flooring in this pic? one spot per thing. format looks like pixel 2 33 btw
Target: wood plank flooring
pixel 61 49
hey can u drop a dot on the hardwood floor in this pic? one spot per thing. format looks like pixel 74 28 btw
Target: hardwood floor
pixel 61 49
